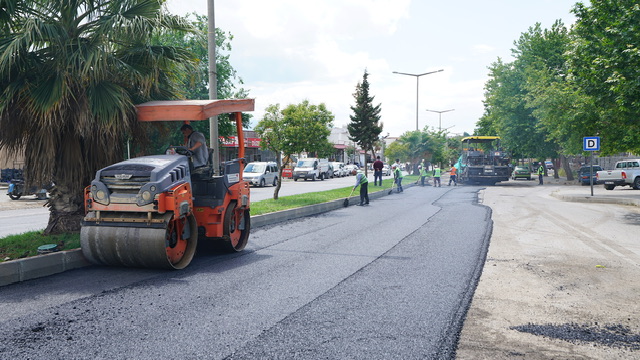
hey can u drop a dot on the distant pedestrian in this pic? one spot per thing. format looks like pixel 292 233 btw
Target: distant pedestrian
pixel 452 175
pixel 363 182
pixel 540 173
pixel 436 175
pixel 377 171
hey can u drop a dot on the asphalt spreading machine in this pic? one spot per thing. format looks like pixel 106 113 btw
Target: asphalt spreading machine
pixel 151 211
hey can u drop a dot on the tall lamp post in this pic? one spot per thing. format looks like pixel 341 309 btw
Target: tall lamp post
pixel 213 84
pixel 440 117
pixel 417 87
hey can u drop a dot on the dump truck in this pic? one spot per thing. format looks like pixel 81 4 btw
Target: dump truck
pixel 483 161
pixel 151 211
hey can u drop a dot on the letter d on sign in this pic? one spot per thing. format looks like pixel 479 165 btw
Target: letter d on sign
pixel 591 143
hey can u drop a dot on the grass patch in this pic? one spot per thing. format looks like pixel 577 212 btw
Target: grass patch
pixel 25 245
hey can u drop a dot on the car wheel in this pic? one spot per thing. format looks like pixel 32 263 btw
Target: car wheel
pixel 275 181
pixel 262 183
pixel 609 187
pixel 636 183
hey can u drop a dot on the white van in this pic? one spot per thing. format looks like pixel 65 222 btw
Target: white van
pixel 311 168
pixel 261 173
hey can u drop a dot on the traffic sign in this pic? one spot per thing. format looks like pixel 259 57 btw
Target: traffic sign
pixel 591 143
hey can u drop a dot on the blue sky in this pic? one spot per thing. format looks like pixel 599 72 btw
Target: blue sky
pixel 287 51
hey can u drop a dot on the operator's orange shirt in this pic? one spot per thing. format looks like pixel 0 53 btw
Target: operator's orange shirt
pixel 453 170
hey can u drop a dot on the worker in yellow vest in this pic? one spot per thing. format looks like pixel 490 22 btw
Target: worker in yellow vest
pixel 397 175
pixel 436 176
pixel 363 182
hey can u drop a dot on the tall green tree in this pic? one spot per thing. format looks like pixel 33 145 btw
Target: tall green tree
pixel 509 103
pixel 365 126
pixel 605 60
pixel 298 128
pixel 413 146
pixel 70 74
pixel 196 84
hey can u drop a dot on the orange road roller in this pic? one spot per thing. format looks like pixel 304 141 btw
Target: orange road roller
pixel 151 211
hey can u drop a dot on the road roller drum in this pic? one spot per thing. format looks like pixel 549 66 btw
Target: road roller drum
pixel 170 244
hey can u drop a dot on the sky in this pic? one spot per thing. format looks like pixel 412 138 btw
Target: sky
pixel 288 51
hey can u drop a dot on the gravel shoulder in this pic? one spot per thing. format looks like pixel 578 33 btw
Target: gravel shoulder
pixel 561 280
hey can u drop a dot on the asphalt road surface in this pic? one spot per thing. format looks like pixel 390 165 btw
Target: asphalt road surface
pixel 389 280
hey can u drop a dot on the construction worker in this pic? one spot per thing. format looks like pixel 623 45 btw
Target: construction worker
pixel 364 187
pixel 436 175
pixel 397 175
pixel 423 172
pixel 452 175
pixel 540 173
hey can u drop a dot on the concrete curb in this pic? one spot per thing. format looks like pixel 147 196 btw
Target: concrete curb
pixel 597 199
pixel 49 264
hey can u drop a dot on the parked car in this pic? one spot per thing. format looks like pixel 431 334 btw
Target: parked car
pixel 312 168
pixel 386 170
pixel 625 173
pixel 350 168
pixel 583 174
pixel 261 173
pixel 521 172
pixel 338 169
pixel 548 165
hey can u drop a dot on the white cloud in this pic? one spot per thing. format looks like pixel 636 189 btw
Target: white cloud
pixel 287 51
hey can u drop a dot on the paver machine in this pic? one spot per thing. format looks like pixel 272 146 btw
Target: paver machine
pixel 150 211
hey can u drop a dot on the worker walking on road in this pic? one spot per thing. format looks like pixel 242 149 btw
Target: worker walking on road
pixel 364 187
pixel 540 173
pixel 452 175
pixel 436 175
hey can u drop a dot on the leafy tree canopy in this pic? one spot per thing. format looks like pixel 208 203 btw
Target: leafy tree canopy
pixel 365 126
pixel 298 128
pixel 70 75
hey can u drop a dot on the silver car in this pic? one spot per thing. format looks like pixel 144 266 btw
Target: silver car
pixel 261 173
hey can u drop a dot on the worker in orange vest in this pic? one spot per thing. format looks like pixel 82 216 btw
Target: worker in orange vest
pixel 452 175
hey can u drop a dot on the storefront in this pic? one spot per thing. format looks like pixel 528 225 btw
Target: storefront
pixel 252 150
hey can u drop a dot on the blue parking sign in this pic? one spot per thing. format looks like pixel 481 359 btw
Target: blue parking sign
pixel 591 143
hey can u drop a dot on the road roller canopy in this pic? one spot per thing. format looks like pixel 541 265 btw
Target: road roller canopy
pixel 191 110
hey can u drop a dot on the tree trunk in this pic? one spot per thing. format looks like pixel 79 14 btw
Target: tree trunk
pixel 66 211
pixel 279 183
pixel 566 167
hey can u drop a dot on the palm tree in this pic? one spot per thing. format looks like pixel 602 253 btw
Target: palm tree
pixel 70 74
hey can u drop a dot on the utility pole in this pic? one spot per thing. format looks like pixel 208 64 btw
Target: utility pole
pixel 213 85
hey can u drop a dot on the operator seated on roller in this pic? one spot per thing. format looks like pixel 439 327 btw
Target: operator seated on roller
pixel 197 144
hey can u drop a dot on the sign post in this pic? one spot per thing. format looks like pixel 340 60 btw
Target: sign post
pixel 591 143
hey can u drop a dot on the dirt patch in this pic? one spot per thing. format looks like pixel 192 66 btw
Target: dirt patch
pixel 560 281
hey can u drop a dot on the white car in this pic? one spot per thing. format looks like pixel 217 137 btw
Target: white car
pixel 386 170
pixel 350 168
pixel 338 169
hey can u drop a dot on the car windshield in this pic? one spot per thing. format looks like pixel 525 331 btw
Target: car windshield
pixel 254 168
pixel 305 163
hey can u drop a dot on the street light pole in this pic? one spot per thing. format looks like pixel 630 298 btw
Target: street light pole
pixel 213 84
pixel 440 117
pixel 417 87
